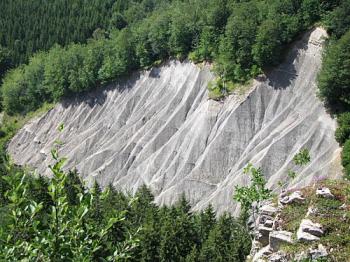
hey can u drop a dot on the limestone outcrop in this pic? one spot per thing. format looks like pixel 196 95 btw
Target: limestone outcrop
pixel 271 242
pixel 158 128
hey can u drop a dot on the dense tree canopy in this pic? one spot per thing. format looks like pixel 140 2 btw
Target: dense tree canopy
pixel 334 78
pixel 5 60
pixel 32 25
pixel 240 37
pixel 72 46
pixel 61 220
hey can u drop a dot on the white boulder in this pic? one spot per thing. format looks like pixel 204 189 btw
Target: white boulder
pixel 309 231
pixel 268 210
pixel 295 197
pixel 324 192
pixel 279 237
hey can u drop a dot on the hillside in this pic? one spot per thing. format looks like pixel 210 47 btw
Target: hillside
pixel 308 224
pixel 159 129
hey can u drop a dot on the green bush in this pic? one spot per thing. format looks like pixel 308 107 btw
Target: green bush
pixel 254 193
pixel 334 78
pixel 343 131
pixel 338 21
pixel 267 49
pixel 346 158
pixel 302 158
pixel 5 60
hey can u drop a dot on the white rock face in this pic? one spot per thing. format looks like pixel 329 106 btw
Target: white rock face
pixel 160 129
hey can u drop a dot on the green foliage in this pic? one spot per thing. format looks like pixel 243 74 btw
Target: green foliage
pixel 334 78
pixel 225 231
pixel 267 49
pixel 206 47
pixel 311 11
pixel 291 174
pixel 343 131
pixel 302 158
pixel 119 59
pixel 64 233
pixel 234 58
pixel 256 192
pixel 30 26
pixel 241 38
pixel 338 21
pixel 346 159
pixel 5 60
pixel 60 219
pixel 51 228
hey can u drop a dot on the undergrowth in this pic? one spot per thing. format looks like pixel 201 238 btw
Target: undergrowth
pixel 334 219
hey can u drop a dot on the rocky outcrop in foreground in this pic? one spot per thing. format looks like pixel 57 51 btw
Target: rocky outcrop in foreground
pixel 159 129
pixel 309 227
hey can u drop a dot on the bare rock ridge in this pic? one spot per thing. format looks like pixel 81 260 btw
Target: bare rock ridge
pixel 159 129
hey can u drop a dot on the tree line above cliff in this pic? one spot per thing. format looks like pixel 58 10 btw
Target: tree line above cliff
pixel 242 38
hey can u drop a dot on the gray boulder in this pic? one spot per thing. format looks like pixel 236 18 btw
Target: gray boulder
pixel 279 237
pixel 309 231
pixel 295 197
pixel 311 211
pixel 262 253
pixel 343 207
pixel 279 257
pixel 268 210
pixel 268 223
pixel 318 252
pixel 263 235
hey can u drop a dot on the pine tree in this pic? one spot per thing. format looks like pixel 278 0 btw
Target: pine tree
pixel 207 222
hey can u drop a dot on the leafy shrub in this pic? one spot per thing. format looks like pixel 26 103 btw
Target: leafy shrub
pixel 334 78
pixel 267 49
pixel 67 234
pixel 302 158
pixel 338 21
pixel 343 131
pixel 346 158
pixel 255 193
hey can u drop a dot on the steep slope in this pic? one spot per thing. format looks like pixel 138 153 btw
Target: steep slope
pixel 160 129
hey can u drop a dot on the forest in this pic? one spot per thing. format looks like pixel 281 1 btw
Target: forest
pixel 72 46
pixel 334 77
pixel 241 39
pixel 62 220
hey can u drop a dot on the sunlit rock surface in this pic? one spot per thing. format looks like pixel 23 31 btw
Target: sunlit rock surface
pixel 160 129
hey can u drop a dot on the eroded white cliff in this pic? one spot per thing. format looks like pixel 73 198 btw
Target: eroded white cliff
pixel 161 130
